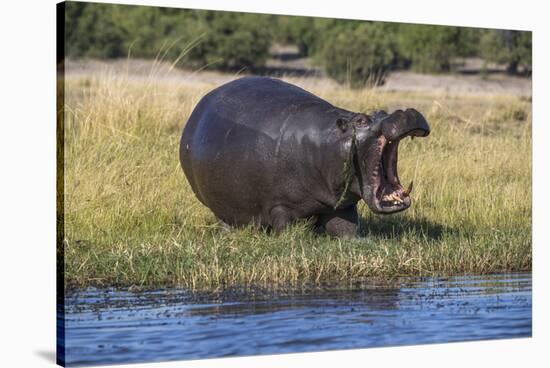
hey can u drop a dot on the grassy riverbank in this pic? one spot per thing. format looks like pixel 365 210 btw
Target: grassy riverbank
pixel 132 219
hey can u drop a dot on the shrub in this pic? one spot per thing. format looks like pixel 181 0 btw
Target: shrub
pixel 359 56
pixel 299 31
pixel 429 48
pixel 351 51
pixel 510 47
pixel 91 31
pixel 231 40
pixel 220 40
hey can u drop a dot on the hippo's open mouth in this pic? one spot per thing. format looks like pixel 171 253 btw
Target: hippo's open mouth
pixel 388 195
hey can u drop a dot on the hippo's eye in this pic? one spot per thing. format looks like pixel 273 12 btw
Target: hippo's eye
pixel 364 121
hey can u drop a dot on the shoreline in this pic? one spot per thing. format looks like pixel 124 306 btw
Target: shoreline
pixel 373 282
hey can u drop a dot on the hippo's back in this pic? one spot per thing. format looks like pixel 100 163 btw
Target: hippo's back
pixel 241 147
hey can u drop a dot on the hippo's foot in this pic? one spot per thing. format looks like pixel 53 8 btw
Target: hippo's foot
pixel 281 216
pixel 341 223
pixel 224 225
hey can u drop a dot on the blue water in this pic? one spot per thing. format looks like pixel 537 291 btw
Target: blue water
pixel 110 327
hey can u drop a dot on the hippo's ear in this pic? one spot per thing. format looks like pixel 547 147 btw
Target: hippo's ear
pixel 379 115
pixel 342 124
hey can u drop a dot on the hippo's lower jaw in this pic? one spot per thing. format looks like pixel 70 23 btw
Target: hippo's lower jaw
pixel 387 194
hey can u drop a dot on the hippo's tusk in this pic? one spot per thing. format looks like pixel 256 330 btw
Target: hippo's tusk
pixel 407 192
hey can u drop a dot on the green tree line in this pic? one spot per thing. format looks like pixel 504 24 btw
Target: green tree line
pixel 355 52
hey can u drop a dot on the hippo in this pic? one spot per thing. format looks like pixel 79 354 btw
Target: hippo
pixel 260 151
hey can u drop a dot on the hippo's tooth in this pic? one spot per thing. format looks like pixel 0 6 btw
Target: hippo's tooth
pixel 394 197
pixel 407 192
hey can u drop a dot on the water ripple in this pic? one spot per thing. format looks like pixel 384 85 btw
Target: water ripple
pixel 112 326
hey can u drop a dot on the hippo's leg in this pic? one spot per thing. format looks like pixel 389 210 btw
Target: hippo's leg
pixel 281 216
pixel 341 223
pixel 224 225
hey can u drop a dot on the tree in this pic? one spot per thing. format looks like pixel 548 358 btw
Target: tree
pixel 231 40
pixel 359 56
pixel 299 31
pixel 92 31
pixel 350 51
pixel 509 47
pixel 429 48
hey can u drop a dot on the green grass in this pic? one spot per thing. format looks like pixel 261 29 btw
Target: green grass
pixel 132 219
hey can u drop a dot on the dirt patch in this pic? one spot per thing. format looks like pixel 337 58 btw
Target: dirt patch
pixel 459 84
pixel 283 65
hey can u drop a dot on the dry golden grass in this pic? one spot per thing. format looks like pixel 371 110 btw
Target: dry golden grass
pixel 132 219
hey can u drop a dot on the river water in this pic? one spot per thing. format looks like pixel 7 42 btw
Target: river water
pixel 113 326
